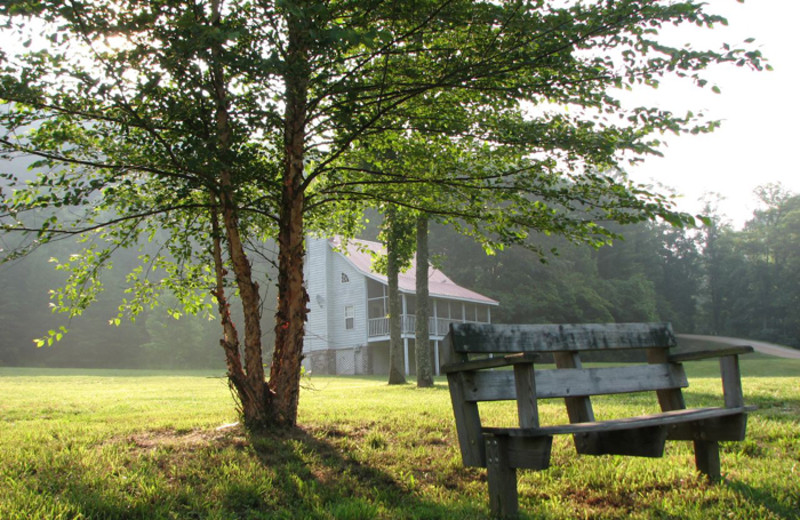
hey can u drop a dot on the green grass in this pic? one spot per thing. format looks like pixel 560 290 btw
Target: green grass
pixel 128 444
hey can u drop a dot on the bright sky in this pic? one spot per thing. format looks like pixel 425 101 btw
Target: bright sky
pixel 760 113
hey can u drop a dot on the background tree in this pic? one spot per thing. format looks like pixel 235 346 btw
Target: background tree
pixel 422 342
pixel 399 250
pixel 226 120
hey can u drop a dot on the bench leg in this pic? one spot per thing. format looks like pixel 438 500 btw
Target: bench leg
pixel 706 456
pixel 502 478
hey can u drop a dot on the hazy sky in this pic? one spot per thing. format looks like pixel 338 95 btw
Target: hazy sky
pixel 760 113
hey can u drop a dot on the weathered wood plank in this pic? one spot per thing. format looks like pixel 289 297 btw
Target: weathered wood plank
pixel 502 478
pixel 706 458
pixel 468 423
pixel 579 409
pixel 575 382
pixel 707 354
pixel 642 421
pixel 496 362
pixel 529 452
pixel 731 381
pixel 646 441
pixel 725 428
pixel 670 398
pixel 525 385
pixel 488 338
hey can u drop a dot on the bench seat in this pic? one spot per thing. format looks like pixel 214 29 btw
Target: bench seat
pixel 670 418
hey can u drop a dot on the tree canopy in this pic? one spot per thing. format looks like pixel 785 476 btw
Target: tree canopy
pixel 224 122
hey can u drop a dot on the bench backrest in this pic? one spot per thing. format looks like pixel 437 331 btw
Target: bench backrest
pixel 567 343
pixel 570 380
pixel 479 338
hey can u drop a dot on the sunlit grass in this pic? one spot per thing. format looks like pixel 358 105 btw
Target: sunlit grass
pixel 131 444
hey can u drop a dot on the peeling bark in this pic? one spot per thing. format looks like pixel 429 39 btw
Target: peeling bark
pixel 250 384
pixel 292 310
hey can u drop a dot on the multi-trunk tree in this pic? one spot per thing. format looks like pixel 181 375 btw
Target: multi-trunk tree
pixel 224 122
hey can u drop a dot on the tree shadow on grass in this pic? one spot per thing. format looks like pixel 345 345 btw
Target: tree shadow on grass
pixel 205 474
pixel 322 479
pixel 766 498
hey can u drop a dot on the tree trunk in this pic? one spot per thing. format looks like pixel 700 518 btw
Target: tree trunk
pixel 422 336
pixel 396 358
pixel 292 310
pixel 230 336
pixel 252 390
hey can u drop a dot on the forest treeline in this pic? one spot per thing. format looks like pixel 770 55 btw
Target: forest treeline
pixel 714 280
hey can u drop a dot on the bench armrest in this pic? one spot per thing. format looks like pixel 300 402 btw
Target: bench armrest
pixel 707 354
pixel 496 362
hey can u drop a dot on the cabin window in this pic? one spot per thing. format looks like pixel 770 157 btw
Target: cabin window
pixel 349 317
pixel 345 278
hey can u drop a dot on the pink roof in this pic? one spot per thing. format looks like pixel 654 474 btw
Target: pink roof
pixel 359 252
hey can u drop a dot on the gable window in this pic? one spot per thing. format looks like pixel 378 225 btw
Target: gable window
pixel 345 278
pixel 349 317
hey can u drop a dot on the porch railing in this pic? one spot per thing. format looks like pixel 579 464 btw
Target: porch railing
pixel 436 326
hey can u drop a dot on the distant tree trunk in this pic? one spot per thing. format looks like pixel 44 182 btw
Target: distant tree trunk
pixel 714 277
pixel 396 359
pixel 422 332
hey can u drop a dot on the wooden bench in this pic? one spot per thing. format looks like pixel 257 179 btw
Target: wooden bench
pixel 522 347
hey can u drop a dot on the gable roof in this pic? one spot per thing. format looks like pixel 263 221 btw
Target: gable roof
pixel 359 253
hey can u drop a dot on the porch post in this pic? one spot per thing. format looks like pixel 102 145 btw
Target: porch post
pixel 436 356
pixel 405 354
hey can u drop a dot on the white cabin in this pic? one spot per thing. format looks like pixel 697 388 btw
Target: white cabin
pixel 348 326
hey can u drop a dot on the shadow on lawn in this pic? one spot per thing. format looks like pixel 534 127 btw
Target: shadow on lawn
pixel 766 498
pixel 322 480
pixel 231 475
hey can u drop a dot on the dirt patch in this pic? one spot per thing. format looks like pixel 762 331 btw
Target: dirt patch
pixel 186 440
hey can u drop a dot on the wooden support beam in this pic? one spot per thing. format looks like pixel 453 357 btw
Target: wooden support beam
pixel 468 423
pixel 525 384
pixel 503 500
pixel 671 398
pixel 706 457
pixel 731 381
pixel 579 409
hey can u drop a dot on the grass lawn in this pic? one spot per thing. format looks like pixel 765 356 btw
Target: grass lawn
pixel 132 444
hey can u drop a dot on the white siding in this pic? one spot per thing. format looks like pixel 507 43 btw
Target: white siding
pixel 352 293
pixel 329 295
pixel 316 274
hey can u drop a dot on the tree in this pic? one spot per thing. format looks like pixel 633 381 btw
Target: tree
pixel 769 288
pixel 229 121
pixel 130 109
pixel 398 255
pixel 422 335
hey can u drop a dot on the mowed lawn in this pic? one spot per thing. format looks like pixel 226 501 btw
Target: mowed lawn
pixel 132 444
